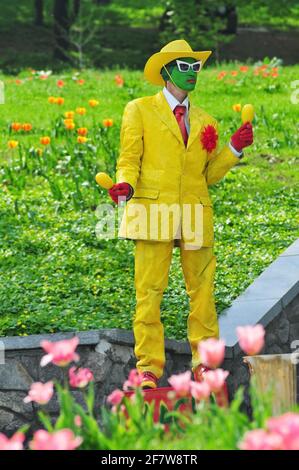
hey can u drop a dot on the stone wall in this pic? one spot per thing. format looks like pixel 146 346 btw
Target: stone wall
pixel 272 300
pixel 108 353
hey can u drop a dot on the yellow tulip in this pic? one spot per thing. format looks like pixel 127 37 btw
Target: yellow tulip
pixel 247 113
pixel 45 140
pixel 108 122
pixel 69 124
pixel 16 126
pixel 27 126
pixel 93 103
pixel 59 100
pixel 69 114
pixel 81 111
pixel 81 139
pixel 237 107
pixel 82 131
pixel 12 144
pixel 104 180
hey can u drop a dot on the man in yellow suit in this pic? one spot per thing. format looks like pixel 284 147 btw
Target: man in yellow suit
pixel 169 156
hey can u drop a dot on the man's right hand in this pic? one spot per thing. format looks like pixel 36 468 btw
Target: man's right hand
pixel 121 189
pixel 243 137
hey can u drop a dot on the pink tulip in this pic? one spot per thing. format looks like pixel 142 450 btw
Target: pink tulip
pixel 115 409
pixel 134 379
pixel 287 427
pixel 59 440
pixel 200 390
pixel 261 440
pixel 13 443
pixel 78 421
pixel 251 338
pixel 211 352
pixel 40 393
pixel 215 379
pixel 80 378
pixel 115 397
pixel 181 383
pixel 60 353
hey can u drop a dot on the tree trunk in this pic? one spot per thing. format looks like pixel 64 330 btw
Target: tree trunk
pixel 39 12
pixel 102 2
pixel 61 30
pixel 76 8
pixel 232 21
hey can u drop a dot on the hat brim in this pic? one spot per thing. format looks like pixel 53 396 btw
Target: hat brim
pixel 156 61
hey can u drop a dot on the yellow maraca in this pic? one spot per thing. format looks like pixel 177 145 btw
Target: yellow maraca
pixel 247 114
pixel 104 180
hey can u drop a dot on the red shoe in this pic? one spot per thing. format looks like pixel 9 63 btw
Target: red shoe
pixel 221 396
pixel 199 371
pixel 149 380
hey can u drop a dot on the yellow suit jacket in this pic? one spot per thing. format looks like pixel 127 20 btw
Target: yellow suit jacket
pixel 170 181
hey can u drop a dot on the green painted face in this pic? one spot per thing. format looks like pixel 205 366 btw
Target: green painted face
pixel 184 80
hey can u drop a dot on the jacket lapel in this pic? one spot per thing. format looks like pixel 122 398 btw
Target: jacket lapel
pixel 164 113
pixel 196 123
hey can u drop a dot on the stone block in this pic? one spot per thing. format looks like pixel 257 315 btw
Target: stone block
pixel 6 418
pixel 292 310
pixel 294 332
pixel 270 339
pixel 118 336
pixel 118 375
pixel 33 341
pixel 121 354
pixel 50 372
pixel 10 423
pixel 275 349
pixel 283 330
pixel 100 364
pixel 14 376
pixel 103 347
pixel 13 401
pixel 241 375
pixel 31 362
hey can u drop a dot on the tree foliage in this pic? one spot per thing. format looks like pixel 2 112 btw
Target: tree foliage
pixel 200 22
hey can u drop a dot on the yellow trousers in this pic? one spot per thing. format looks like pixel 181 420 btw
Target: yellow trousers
pixel 152 263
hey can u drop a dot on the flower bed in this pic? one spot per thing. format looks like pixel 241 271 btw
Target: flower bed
pixel 136 423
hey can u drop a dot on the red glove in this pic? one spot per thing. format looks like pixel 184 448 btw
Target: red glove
pixel 243 137
pixel 121 189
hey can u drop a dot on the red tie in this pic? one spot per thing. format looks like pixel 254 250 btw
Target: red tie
pixel 179 112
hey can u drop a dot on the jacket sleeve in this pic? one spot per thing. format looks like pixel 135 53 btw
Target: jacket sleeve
pixel 219 162
pixel 131 146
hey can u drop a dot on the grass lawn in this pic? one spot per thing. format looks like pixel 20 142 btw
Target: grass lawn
pixel 55 274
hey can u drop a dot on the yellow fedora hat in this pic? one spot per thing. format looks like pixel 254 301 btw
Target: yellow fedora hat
pixel 172 50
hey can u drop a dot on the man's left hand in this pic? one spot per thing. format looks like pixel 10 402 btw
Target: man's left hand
pixel 243 137
pixel 121 189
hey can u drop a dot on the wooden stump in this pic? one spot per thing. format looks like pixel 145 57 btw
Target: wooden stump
pixel 276 372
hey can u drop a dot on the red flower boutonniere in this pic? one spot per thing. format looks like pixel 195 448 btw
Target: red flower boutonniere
pixel 209 138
